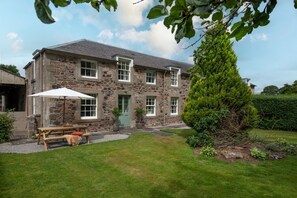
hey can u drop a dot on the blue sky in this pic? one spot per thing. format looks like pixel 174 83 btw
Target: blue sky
pixel 267 56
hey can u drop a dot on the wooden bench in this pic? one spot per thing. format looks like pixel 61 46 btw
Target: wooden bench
pixel 59 133
pixel 61 137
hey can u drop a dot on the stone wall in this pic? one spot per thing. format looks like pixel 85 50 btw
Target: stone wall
pixel 64 71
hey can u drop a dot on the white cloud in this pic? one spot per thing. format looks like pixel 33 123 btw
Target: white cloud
pixel 132 14
pixel 105 36
pixel 59 14
pixel 158 39
pixel 17 42
pixel 12 35
pixel 259 37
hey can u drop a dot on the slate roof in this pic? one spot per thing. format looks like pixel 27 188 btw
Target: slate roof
pixel 102 51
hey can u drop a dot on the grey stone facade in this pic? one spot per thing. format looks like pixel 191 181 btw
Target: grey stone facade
pixel 59 69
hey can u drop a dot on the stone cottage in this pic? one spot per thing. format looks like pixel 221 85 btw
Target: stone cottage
pixel 115 77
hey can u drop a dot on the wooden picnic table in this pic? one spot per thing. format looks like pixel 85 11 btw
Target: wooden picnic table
pixel 59 133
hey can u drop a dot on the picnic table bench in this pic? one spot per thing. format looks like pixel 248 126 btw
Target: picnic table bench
pixel 59 133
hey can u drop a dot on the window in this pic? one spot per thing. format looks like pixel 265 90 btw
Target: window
pixel 150 106
pixel 174 77
pixel 88 109
pixel 124 69
pixel 88 69
pixel 151 77
pixel 174 106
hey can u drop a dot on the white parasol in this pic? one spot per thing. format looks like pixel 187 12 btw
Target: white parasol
pixel 62 93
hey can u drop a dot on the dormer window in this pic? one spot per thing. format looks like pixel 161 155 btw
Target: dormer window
pixel 124 69
pixel 174 76
pixel 88 69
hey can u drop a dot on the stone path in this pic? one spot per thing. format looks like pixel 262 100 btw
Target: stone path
pixel 30 145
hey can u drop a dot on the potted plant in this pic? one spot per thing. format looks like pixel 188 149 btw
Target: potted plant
pixel 116 113
pixel 139 112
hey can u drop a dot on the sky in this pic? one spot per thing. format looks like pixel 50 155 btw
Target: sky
pixel 268 56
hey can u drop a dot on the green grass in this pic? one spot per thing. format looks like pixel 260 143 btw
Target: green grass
pixel 144 165
pixel 181 132
pixel 273 135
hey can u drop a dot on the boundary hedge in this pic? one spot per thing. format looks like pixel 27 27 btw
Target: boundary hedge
pixel 277 112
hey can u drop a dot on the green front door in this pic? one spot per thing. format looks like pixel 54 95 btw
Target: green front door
pixel 124 103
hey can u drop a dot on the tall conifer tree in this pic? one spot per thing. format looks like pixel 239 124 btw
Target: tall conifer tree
pixel 218 101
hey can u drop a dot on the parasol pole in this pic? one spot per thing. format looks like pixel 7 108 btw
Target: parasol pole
pixel 64 110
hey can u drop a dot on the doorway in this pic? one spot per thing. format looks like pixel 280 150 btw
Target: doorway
pixel 124 105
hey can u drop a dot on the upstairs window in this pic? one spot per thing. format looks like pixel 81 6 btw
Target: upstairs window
pixel 124 69
pixel 88 69
pixel 174 77
pixel 88 109
pixel 151 77
pixel 150 106
pixel 174 106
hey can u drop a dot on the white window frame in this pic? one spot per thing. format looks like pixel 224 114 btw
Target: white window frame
pixel 152 75
pixel 121 59
pixel 174 76
pixel 174 105
pixel 94 103
pixel 153 105
pixel 91 69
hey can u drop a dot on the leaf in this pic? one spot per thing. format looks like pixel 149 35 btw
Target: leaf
pixel 168 3
pixel 236 28
pixel 217 16
pixel 43 11
pixel 180 32
pixel 202 12
pixel 270 6
pixel 112 3
pixel 295 4
pixel 247 15
pixel 198 3
pixel 157 11
pixel 95 5
pixel 61 3
pixel 235 25
pixel 230 4
pixel 190 32
pixel 82 1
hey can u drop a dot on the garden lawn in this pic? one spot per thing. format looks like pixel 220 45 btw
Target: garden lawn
pixel 143 165
pixel 273 135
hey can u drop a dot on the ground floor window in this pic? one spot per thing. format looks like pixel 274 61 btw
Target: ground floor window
pixel 174 106
pixel 150 106
pixel 88 109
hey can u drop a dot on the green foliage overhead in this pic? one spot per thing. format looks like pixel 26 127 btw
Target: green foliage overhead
pixel 277 112
pixel 44 13
pixel 243 15
pixel 10 68
pixel 218 100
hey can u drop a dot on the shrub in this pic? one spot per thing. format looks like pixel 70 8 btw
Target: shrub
pixel 208 151
pixel 277 112
pixel 290 149
pixel 6 126
pixel 200 139
pixel 218 101
pixel 273 146
pixel 258 154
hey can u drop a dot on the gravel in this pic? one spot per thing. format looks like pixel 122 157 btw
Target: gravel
pixel 12 147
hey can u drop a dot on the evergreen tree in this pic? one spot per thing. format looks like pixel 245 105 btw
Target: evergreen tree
pixel 218 100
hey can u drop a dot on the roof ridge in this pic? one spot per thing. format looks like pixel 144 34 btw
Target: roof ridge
pixel 63 44
pixel 167 59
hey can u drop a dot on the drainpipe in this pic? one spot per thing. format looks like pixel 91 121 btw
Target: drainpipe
pixel 164 113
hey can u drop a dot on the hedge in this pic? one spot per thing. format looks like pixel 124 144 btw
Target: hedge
pixel 277 112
